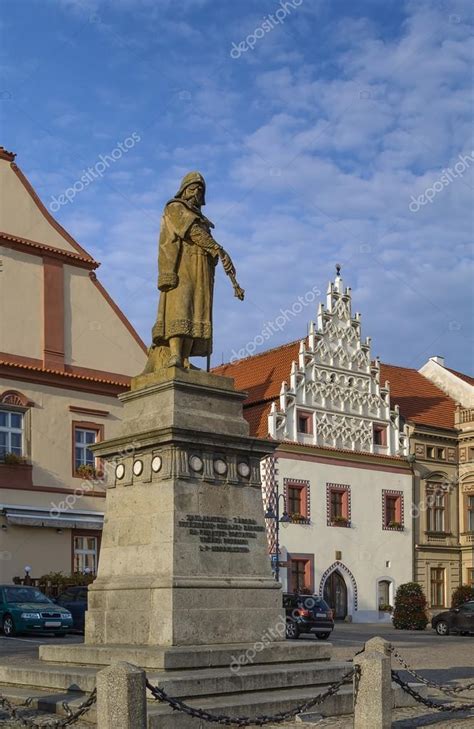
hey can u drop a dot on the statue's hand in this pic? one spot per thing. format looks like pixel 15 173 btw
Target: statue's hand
pixel 239 292
pixel 166 287
pixel 167 281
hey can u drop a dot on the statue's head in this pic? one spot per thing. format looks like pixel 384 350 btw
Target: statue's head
pixel 193 187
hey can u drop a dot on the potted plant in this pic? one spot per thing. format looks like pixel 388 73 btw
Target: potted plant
pixel 385 608
pixel 12 459
pixel 340 521
pixel 394 525
pixel 86 471
pixel 297 518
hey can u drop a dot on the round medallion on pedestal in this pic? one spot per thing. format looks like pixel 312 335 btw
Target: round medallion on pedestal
pixel 119 471
pixel 156 464
pixel 137 468
pixel 220 466
pixel 195 463
pixel 243 469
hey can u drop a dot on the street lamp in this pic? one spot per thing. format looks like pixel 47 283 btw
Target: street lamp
pixel 284 519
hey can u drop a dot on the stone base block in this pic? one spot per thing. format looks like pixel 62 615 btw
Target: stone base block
pixel 171 658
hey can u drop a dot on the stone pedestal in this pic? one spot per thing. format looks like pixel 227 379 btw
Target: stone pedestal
pixel 184 558
pixel 184 587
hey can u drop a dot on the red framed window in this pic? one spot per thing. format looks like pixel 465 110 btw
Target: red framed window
pixel 301 573
pixel 304 422
pixel 297 500
pixel 380 435
pixel 392 510
pixel 338 505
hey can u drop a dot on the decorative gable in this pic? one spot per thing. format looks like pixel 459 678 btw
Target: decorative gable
pixel 334 387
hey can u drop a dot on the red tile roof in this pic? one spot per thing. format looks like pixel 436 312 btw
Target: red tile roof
pixel 418 398
pixel 261 376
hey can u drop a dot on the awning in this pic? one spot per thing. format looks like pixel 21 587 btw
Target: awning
pixel 30 516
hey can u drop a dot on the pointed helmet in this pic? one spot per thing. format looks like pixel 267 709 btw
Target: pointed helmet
pixel 189 179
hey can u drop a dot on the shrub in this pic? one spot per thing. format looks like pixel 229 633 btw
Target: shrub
pixel 410 608
pixel 461 595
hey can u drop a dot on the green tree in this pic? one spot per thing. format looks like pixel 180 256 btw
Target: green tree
pixel 410 608
pixel 461 595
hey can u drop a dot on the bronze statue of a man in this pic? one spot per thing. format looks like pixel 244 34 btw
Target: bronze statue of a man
pixel 187 258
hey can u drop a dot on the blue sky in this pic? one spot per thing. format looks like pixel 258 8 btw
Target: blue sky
pixel 316 144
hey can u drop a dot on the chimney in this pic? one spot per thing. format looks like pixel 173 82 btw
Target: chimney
pixel 438 359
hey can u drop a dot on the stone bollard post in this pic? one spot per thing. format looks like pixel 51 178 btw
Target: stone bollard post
pixel 373 688
pixel 121 697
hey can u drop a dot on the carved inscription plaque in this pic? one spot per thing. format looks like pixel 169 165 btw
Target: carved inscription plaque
pixel 222 533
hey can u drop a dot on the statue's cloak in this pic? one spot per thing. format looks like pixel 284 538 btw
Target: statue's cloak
pixel 185 279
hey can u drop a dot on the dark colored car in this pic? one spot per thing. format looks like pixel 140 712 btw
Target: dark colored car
pixel 25 609
pixel 457 620
pixel 74 599
pixel 307 614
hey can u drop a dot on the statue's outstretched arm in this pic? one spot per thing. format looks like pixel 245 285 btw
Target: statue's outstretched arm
pixel 203 239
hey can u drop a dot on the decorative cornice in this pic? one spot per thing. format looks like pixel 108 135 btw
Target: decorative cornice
pixel 346 454
pixel 41 249
pixel 89 411
pixel 5 154
pixel 73 378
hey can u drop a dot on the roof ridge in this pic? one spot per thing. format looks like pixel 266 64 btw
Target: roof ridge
pixel 458 372
pixel 259 354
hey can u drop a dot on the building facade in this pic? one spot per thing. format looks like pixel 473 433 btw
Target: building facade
pixel 460 389
pixel 373 467
pixel 340 474
pixel 66 352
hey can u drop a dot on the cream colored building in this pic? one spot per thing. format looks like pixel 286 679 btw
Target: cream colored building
pixel 66 352
pixel 460 390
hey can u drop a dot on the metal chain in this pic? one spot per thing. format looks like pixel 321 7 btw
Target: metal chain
pixel 71 716
pixel 444 689
pixel 428 702
pixel 178 705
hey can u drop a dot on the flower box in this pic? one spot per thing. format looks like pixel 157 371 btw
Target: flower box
pixel 340 521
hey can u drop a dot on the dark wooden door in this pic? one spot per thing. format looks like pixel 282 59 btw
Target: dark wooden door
pixel 335 594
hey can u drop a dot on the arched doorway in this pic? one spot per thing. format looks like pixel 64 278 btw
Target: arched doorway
pixel 335 594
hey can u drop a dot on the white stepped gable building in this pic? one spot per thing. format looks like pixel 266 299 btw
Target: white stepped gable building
pixel 334 397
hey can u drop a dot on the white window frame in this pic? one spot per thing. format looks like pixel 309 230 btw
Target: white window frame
pixel 84 447
pixel 9 430
pixel 82 553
